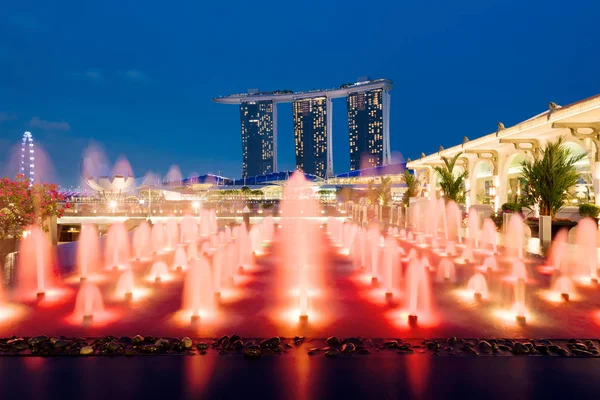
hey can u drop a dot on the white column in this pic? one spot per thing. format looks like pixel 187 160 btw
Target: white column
pixel 329 171
pixel 274 137
pixel 386 159
pixel 596 177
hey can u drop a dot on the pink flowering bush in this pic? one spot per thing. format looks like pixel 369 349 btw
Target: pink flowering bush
pixel 22 205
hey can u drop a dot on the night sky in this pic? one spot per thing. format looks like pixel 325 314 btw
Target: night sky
pixel 138 77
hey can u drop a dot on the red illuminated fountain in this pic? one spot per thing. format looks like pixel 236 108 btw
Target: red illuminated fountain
pixel 390 263
pixel 301 271
pixel 197 290
pixel 159 271
pixel 180 260
pixel 141 242
pixel 125 285
pixel 418 291
pixel 478 286
pixel 88 252
pixel 88 302
pixel 116 250
pixel 34 271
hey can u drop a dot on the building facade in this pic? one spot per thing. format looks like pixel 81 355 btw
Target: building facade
pixel 258 147
pixel 365 126
pixel 493 161
pixel 310 135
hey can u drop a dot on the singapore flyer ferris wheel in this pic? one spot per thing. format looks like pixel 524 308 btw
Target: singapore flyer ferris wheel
pixel 28 157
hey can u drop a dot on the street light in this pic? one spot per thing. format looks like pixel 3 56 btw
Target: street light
pixel 492 191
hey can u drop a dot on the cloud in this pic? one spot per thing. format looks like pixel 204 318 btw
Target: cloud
pixel 6 116
pixel 37 122
pixel 94 75
pixel 134 75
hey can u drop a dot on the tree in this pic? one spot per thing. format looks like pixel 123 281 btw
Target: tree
pixel 346 194
pixel 22 205
pixel 384 190
pixel 451 184
pixel 412 187
pixel 372 193
pixel 550 175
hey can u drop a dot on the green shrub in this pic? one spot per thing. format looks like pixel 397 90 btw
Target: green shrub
pixel 512 207
pixel 589 210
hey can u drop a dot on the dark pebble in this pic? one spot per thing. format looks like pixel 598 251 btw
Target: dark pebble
pixel 312 353
pixel 390 344
pixel 202 346
pixel 354 340
pixel 451 340
pixel 222 352
pixel 333 341
pixel 542 349
pixel 137 340
pixel 270 343
pixel 363 352
pixel 34 341
pixel 332 353
pixel 125 340
pixel 237 345
pixel 348 348
pixel 252 352
pixel 579 352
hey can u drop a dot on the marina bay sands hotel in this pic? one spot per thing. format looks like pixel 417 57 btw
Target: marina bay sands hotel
pixel 368 104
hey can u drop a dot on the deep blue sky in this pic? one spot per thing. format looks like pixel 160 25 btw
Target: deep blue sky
pixel 138 77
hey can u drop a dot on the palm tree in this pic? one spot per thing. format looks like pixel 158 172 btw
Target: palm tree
pixel 412 187
pixel 384 190
pixel 550 175
pixel 451 184
pixel 372 194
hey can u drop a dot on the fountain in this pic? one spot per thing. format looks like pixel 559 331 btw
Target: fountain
pixel 356 250
pixel 125 285
pixel 159 238
pixel 231 258
pixel 188 230
pixel 197 290
pixel 520 301
pixel 88 251
pixel 454 222
pixel 564 286
pixel 515 236
pixel 418 291
pixel 478 286
pixel 159 271
pixel 450 249
pixel 375 248
pixel 301 271
pixel 217 270
pixel 117 246
pixel 473 227
pixel 489 264
pixel 34 269
pixel 488 235
pixel 244 248
pixel 180 260
pixel 558 254
pixel 88 302
pixel 446 271
pixel 586 240
pixel 390 262
pixel 142 245
pixel 172 232
pixel 467 254
pixel 518 270
pixel 192 251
